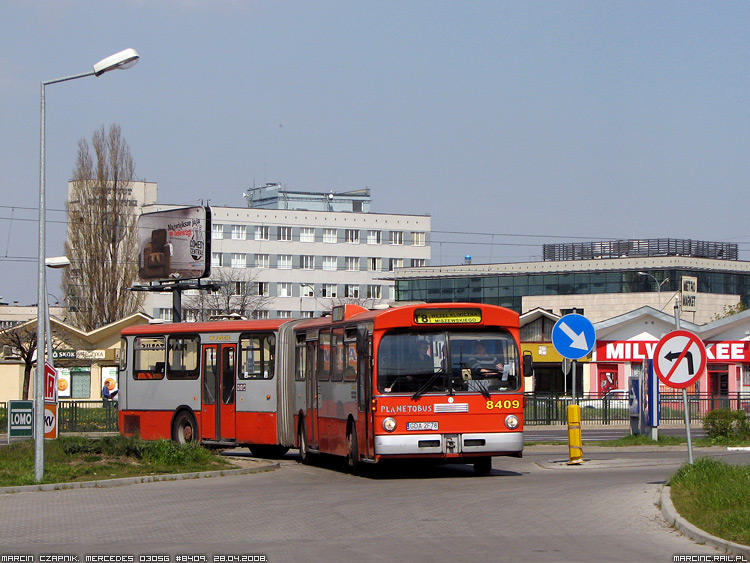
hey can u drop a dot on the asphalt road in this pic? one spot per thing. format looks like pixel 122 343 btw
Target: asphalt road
pixel 533 509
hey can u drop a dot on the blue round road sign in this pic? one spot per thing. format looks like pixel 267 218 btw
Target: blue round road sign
pixel 573 336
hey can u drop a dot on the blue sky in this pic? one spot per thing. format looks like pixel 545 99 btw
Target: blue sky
pixel 511 123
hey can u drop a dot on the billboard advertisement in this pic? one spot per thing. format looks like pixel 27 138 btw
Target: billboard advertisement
pixel 174 244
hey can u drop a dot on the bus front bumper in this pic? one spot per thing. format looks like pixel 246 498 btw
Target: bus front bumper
pixel 487 443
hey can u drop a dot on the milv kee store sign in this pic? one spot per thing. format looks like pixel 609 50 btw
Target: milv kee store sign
pixel 737 351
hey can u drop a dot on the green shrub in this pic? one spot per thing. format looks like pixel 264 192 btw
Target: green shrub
pixel 725 424
pixel 167 452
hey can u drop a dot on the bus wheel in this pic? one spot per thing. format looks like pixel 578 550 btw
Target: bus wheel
pixel 483 466
pixel 184 428
pixel 353 450
pixel 268 452
pixel 304 449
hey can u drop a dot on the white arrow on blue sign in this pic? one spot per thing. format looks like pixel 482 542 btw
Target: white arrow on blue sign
pixel 573 336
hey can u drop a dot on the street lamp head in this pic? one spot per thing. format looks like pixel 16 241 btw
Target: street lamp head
pixel 122 60
pixel 642 274
pixel 57 262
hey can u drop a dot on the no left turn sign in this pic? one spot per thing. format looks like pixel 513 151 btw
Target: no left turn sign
pixel 679 359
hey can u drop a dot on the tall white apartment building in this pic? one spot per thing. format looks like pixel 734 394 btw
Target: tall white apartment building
pixel 305 252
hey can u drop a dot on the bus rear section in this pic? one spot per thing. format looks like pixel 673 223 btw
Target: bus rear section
pixel 212 382
pixel 448 386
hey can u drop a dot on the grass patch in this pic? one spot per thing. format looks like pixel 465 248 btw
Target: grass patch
pixel 715 497
pixel 76 458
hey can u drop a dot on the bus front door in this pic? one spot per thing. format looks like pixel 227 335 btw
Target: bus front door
pixel 218 399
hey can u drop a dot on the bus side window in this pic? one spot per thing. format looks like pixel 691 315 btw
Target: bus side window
pixel 182 353
pixel 148 354
pixel 257 354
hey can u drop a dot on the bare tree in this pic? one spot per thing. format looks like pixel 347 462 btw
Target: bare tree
pixel 21 341
pixel 238 294
pixel 102 242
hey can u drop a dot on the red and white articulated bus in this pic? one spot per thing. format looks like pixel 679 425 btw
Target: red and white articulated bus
pixel 441 381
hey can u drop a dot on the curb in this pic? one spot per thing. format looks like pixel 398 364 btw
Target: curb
pixel 674 519
pixel 261 466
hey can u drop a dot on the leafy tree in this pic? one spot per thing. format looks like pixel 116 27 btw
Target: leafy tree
pixel 729 311
pixel 21 339
pixel 102 241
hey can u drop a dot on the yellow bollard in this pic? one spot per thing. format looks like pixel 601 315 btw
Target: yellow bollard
pixel 574 435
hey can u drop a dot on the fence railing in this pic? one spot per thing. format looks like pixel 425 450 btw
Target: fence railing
pixel 77 416
pixel 552 409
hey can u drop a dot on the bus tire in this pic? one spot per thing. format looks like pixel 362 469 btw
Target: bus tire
pixel 304 448
pixel 353 450
pixel 483 465
pixel 267 451
pixel 184 428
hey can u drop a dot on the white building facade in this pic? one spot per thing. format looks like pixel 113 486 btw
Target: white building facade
pixel 304 261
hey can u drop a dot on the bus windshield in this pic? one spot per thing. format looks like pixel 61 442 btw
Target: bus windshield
pixel 448 361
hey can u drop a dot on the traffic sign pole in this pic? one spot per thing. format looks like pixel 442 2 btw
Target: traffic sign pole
pixel 684 390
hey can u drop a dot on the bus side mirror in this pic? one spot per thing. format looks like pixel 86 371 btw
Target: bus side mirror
pixel 527 364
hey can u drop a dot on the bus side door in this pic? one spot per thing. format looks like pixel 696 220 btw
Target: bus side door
pixel 312 395
pixel 218 392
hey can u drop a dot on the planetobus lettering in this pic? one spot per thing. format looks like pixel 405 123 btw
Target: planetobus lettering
pixel 405 408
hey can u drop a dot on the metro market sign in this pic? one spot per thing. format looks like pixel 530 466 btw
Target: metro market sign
pixel 638 350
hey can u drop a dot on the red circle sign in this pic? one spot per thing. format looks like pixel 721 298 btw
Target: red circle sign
pixel 679 359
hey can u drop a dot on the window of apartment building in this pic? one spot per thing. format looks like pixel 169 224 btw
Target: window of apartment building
pixel 284 262
pixel 217 232
pixel 261 232
pixel 391 292
pixel 306 314
pixel 330 235
pixel 217 259
pixel 373 292
pixel 238 232
pixel 374 237
pixel 351 291
pixel 396 238
pixel 330 263
pixel 418 262
pixel 394 263
pixel 352 236
pixel 306 290
pixel 262 261
pixel 284 233
pixel 417 239
pixel 263 288
pixel 284 315
pixel 239 288
pixel 165 314
pixel 260 314
pixel 307 234
pixel 329 290
pixel 352 263
pixel 239 260
pixel 284 289
pixel 374 264
pixel 307 262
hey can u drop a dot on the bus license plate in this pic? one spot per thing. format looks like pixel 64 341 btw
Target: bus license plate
pixel 421 425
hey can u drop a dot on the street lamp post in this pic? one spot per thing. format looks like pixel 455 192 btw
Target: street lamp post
pixel 122 60
pixel 658 285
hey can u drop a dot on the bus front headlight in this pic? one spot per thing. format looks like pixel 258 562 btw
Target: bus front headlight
pixel 511 422
pixel 389 424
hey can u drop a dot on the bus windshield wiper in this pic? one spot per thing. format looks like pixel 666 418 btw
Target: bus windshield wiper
pixel 478 382
pixel 427 384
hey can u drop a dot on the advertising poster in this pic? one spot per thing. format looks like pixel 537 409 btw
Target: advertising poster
pixel 63 383
pixel 174 244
